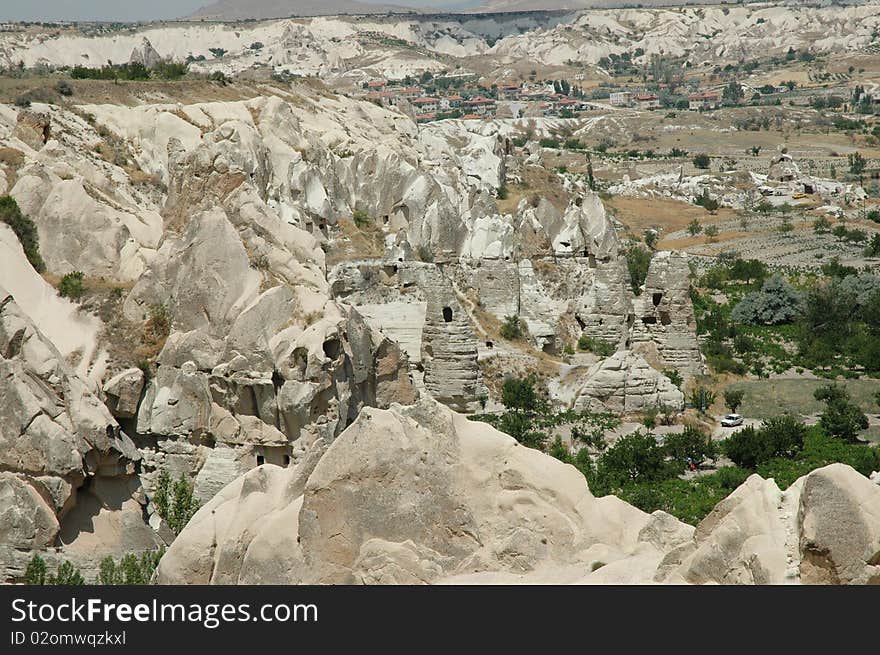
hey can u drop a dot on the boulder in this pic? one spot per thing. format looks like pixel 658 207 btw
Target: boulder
pixel 839 521
pixel 123 392
pixel 625 383
pixel 411 494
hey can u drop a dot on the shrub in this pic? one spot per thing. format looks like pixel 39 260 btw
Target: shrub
pixel 512 328
pixel 71 285
pixel 361 219
pixel 777 437
pixel 634 457
pixel 24 229
pixel 596 346
pixel 674 376
pixel 519 394
pixel 64 88
pixel 702 161
pixel 820 450
pixel 158 321
pixel 694 227
pixel 169 70
pixel 822 225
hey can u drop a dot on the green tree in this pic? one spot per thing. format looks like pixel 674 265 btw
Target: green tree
pixel 636 456
pixel 857 163
pixel 24 229
pixel 519 395
pixel 174 501
pixel 694 227
pixel 777 437
pixel 638 260
pixel 109 573
pixel 67 575
pixel 842 418
pixel 690 444
pixel 35 573
pixel 733 398
pixel 732 93
pixel 702 399
pixel 776 303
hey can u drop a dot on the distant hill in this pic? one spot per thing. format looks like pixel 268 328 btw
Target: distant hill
pixel 547 5
pixel 242 9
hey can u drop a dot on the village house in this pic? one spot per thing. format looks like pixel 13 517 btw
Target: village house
pixel 620 99
pixel 377 85
pixel 479 105
pixel 647 100
pixel 455 101
pixel 559 103
pixel 426 105
pixel 703 101
pixel 409 92
pixel 509 92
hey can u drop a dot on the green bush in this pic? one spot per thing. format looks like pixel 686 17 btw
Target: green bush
pixel 596 346
pixel 71 285
pixel 512 328
pixel 778 437
pixel 820 450
pixel 24 229
pixel 362 219
pixel 674 376
pixel 702 399
pixel 702 161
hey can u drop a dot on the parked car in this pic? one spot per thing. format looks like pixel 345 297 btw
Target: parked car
pixel 731 421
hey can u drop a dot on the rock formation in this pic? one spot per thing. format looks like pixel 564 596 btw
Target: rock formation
pixel 69 473
pixel 626 384
pixel 441 499
pixel 435 496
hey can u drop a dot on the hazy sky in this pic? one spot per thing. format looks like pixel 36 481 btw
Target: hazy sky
pixel 130 10
pixel 122 10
